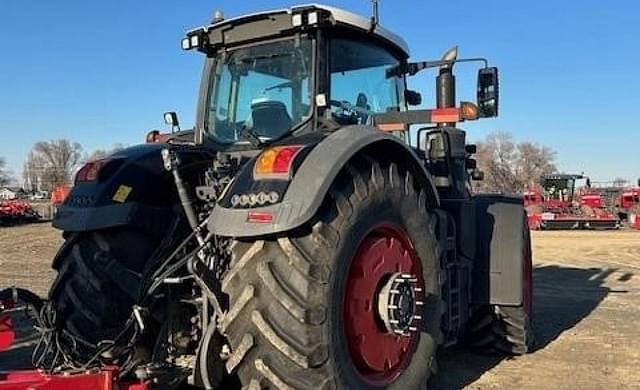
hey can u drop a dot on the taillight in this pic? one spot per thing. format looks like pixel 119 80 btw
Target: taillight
pixel 156 137
pixel 276 162
pixel 90 171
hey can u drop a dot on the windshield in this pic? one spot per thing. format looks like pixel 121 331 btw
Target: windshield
pixel 559 189
pixel 262 90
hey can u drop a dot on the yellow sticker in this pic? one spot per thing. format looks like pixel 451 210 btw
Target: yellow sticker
pixel 122 194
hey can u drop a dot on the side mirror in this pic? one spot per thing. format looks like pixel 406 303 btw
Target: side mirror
pixel 488 92
pixel 171 119
pixel 413 98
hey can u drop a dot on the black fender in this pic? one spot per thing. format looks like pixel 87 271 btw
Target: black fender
pixel 306 191
pixel 500 244
pixel 133 188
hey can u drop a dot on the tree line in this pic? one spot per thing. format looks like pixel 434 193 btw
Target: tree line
pixel 508 166
pixel 53 163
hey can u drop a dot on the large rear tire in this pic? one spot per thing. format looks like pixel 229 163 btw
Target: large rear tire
pixel 99 276
pixel 304 307
pixel 507 329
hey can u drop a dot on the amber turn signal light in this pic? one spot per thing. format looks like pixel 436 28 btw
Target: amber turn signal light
pixel 276 162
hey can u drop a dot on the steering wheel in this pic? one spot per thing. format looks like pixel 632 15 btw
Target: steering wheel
pixel 348 114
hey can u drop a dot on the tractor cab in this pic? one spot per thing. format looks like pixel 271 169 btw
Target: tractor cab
pixel 559 190
pixel 290 71
pixel 294 71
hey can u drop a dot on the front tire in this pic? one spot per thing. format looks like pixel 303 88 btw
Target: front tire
pixel 294 320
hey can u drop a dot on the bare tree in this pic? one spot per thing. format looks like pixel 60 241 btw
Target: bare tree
pixel 533 161
pixel 511 167
pixel 103 153
pixel 51 163
pixel 5 175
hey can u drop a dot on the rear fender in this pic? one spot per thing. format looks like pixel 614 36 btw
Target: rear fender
pixel 303 195
pixel 132 189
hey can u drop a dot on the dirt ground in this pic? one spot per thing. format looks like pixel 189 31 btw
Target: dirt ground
pixel 586 303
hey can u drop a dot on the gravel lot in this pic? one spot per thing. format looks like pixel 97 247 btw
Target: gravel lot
pixel 586 302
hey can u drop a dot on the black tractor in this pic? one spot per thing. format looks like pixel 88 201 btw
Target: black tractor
pixel 305 234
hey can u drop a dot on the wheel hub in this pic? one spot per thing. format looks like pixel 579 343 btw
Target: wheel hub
pixel 384 290
pixel 397 304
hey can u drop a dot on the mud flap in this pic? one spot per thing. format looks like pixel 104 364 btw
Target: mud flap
pixel 500 244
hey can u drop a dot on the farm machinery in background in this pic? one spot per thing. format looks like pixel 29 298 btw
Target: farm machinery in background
pixel 294 239
pixel 14 212
pixel 627 204
pixel 555 205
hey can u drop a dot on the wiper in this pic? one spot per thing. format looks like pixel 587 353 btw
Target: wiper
pixel 286 84
pixel 251 135
pixel 264 57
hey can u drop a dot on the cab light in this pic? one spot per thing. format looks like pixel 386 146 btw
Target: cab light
pixel 276 162
pixel 90 171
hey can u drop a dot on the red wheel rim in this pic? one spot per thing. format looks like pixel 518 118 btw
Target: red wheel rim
pixel 379 356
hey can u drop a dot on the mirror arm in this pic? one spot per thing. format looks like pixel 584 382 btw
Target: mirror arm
pixel 412 68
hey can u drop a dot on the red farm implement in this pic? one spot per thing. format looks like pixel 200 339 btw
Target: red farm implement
pixel 628 203
pixel 17 305
pixel 557 206
pixel 634 221
pixel 17 211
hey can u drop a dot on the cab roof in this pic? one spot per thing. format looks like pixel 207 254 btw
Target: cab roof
pixel 563 176
pixel 341 17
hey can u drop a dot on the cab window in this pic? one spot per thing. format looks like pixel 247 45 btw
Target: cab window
pixel 359 83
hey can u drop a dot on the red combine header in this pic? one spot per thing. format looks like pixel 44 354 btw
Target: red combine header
pixel 557 205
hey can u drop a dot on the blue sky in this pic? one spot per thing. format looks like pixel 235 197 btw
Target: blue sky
pixel 103 72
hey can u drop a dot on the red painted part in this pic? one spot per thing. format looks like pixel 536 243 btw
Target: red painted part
pixel 630 198
pixel 534 221
pixel 17 210
pixel 443 115
pixel 37 380
pixel 59 195
pixel 532 197
pixel 592 200
pixel 7 333
pixel 379 356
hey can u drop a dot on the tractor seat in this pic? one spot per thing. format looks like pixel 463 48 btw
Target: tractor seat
pixel 270 118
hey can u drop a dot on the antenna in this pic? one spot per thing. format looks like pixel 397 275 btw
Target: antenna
pixel 375 18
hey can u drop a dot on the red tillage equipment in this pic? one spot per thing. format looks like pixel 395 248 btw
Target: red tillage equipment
pixel 556 206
